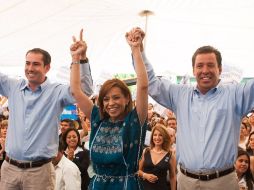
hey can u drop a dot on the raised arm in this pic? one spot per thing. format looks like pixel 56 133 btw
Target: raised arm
pixel 78 49
pixel 172 174
pixel 134 39
pixel 160 89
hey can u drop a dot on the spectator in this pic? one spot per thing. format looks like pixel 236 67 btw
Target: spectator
pixel 245 120
pixel 157 160
pixel 3 132
pixel 156 118
pixel 2 117
pixel 242 167
pixel 67 173
pixel 76 153
pixel 251 120
pixel 84 125
pixel 69 123
pixel 243 139
pixel 171 122
pixel 172 135
pixel 250 144
pixel 150 111
pixel 169 113
pixel 66 124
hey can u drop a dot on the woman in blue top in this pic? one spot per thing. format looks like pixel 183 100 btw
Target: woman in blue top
pixel 117 129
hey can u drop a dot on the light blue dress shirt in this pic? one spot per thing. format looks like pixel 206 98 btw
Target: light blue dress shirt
pixel 208 125
pixel 34 116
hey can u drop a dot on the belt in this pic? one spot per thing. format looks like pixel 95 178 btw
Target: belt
pixel 25 165
pixel 109 177
pixel 207 177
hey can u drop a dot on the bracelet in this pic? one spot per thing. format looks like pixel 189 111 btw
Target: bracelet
pixel 143 175
pixel 75 62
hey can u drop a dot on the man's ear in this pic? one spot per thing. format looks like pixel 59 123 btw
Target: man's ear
pixel 47 67
pixel 220 69
pixel 193 71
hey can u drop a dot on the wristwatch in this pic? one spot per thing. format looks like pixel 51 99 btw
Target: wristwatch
pixel 83 61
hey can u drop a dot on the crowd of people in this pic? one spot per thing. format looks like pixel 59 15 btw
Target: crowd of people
pixel 157 165
pixel 203 141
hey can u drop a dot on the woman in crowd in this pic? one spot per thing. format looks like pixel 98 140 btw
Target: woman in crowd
pixel 157 160
pixel 245 120
pixel 242 167
pixel 85 125
pixel 251 120
pixel 75 152
pixel 172 135
pixel 117 130
pixel 250 144
pixel 3 132
pixel 243 139
pixel 150 113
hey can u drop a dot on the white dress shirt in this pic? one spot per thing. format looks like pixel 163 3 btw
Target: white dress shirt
pixel 67 175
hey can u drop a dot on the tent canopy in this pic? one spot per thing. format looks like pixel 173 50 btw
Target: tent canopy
pixel 175 30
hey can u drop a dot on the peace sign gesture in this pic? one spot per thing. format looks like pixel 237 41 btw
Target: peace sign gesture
pixel 78 48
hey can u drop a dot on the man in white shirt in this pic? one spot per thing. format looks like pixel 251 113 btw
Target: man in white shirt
pixel 67 173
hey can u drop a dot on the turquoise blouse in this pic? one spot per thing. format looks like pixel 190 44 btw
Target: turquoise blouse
pixel 115 149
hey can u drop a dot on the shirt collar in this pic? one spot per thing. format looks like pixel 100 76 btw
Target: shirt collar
pixel 25 85
pixel 213 90
pixel 60 163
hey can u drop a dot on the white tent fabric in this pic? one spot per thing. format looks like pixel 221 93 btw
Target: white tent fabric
pixel 174 32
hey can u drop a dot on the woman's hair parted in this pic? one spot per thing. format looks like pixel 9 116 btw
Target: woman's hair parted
pixel 64 137
pixel 165 135
pixel 108 85
pixel 247 174
pixel 248 142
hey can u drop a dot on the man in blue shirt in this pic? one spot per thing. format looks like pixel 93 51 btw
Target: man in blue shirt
pixel 208 116
pixel 35 106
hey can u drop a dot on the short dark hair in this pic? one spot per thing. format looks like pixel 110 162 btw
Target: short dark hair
pixel 2 117
pixel 69 121
pixel 45 55
pixel 172 118
pixel 207 49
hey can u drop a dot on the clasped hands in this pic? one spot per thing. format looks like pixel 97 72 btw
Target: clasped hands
pixel 150 177
pixel 78 49
pixel 135 37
